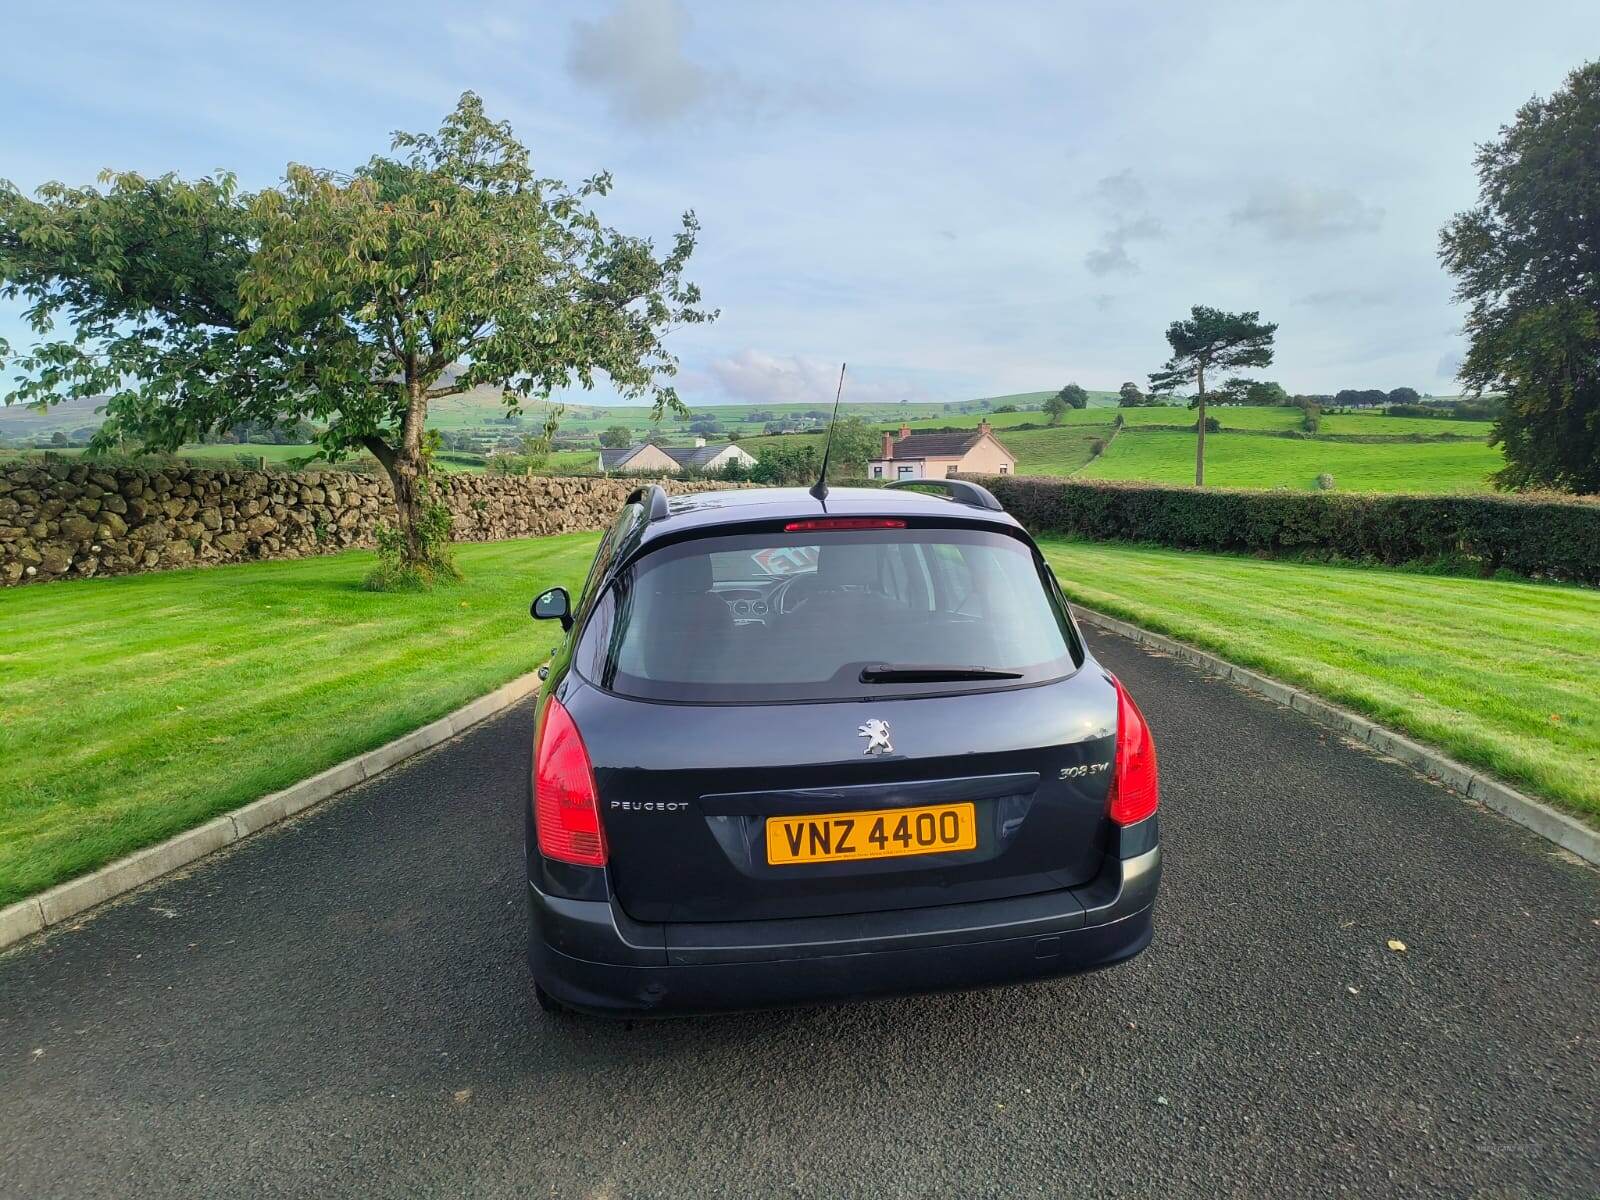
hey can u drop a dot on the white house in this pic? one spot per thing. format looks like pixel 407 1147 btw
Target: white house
pixel 937 455
pixel 671 460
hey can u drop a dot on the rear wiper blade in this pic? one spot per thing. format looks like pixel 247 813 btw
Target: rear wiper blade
pixel 931 673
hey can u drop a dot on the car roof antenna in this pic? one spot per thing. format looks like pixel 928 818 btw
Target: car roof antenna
pixel 820 488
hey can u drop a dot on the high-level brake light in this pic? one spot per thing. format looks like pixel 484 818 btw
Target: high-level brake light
pixel 844 523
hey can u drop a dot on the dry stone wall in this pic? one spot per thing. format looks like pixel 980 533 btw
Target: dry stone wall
pixel 69 520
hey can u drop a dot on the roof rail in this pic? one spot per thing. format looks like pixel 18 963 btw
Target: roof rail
pixel 654 498
pixel 958 490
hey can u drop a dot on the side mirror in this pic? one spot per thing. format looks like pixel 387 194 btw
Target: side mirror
pixel 553 605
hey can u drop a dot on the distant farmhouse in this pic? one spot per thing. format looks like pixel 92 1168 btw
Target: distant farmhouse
pixel 671 460
pixel 936 455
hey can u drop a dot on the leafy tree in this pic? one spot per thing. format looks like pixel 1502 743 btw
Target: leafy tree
pixel 1056 406
pixel 1129 396
pixel 1211 340
pixel 1526 261
pixel 533 452
pixel 1404 395
pixel 854 443
pixel 147 272
pixel 616 436
pixel 786 462
pixel 1261 393
pixel 1264 393
pixel 350 300
pixel 1232 390
pixel 1361 397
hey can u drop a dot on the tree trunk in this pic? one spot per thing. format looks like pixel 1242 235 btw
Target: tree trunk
pixel 1200 435
pixel 403 466
pixel 403 477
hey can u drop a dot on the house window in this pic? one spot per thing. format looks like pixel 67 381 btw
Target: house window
pixel 904 472
pixel 877 471
pixel 1004 470
pixel 950 470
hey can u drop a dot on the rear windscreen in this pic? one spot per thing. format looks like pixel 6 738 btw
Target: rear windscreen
pixel 794 616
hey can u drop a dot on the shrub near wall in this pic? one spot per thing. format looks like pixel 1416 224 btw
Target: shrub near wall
pixel 62 520
pixel 1550 539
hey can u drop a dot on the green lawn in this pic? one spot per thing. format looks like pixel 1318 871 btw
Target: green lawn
pixel 139 706
pixel 232 454
pixel 1397 426
pixel 1231 418
pixel 1242 417
pixel 574 462
pixel 1502 675
pixel 1244 460
pixel 1059 451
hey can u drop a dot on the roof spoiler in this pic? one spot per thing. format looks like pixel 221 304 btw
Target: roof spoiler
pixel 654 499
pixel 958 490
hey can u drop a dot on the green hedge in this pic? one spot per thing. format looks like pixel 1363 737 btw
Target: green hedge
pixel 1540 538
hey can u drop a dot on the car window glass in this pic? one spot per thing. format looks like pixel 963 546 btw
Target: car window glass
pixel 797 616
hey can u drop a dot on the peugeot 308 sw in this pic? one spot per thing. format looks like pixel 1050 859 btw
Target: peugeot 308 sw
pixel 794 749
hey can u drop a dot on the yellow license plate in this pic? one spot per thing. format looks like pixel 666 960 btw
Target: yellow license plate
pixel 878 833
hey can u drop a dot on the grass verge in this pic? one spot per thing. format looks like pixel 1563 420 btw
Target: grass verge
pixel 1498 674
pixel 1241 460
pixel 136 707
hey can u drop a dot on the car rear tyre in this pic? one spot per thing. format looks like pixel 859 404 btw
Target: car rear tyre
pixel 549 1003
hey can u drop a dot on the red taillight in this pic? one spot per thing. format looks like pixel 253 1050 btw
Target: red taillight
pixel 566 805
pixel 1134 788
pixel 844 523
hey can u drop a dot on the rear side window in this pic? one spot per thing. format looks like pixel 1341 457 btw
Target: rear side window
pixel 808 616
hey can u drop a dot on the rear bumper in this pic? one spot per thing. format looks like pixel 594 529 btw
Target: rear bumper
pixel 588 955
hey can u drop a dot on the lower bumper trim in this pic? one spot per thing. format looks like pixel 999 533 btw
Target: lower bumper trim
pixel 624 990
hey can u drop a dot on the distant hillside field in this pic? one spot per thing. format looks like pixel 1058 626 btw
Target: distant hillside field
pixel 1245 460
pixel 481 408
pixel 1154 444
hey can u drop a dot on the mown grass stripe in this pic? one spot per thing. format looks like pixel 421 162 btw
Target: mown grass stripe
pixel 133 708
pixel 1499 674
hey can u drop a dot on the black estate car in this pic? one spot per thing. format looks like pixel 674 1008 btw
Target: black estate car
pixel 796 749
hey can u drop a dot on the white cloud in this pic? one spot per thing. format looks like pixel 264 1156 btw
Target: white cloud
pixel 1121 191
pixel 1346 297
pixel 1110 259
pixel 1297 213
pixel 1123 195
pixel 635 55
pixel 756 377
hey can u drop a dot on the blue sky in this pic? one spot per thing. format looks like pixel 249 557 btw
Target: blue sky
pixel 958 199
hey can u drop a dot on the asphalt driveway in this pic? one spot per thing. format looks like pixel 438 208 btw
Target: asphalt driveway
pixel 340 1007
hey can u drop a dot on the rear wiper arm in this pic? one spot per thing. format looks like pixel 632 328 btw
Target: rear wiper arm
pixel 931 673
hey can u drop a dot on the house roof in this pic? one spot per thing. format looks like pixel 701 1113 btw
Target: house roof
pixel 693 456
pixel 684 456
pixel 612 458
pixel 938 445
